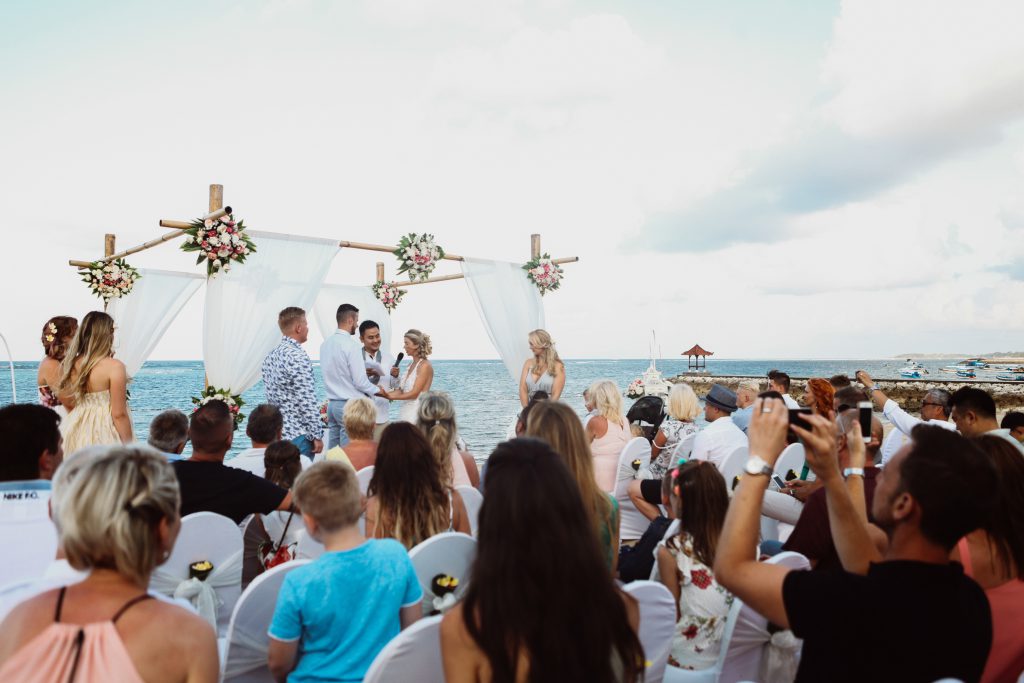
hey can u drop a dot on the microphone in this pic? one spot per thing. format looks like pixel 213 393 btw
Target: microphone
pixel 401 355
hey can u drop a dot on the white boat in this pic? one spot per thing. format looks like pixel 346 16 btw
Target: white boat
pixel 911 373
pixel 1019 377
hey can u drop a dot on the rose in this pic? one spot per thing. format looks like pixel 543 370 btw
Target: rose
pixel 208 223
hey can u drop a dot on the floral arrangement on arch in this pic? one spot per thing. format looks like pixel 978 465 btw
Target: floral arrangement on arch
pixel 110 279
pixel 233 401
pixel 388 294
pixel 418 255
pixel 544 273
pixel 219 241
pixel 636 389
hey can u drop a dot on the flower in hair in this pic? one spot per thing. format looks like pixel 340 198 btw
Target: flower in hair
pixel 51 331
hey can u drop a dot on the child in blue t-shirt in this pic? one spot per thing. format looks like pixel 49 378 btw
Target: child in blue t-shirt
pixel 336 614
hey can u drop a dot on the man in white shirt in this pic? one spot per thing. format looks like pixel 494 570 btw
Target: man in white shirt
pixel 344 371
pixel 721 437
pixel 263 427
pixel 779 381
pixel 369 335
pixel 935 410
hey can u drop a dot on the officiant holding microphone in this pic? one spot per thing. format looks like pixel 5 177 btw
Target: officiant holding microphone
pixel 381 369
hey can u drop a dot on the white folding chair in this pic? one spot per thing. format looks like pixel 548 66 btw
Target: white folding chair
pixel 364 476
pixel 744 640
pixel 792 458
pixel 308 548
pixel 732 466
pixel 632 523
pixel 244 654
pixel 412 655
pixel 218 540
pixel 275 523
pixel 657 625
pixel 473 500
pixel 450 553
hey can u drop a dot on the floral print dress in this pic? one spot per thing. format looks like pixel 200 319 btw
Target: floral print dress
pixel 676 431
pixel 703 607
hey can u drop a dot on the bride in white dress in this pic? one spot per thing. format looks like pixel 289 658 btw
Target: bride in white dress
pixel 417 378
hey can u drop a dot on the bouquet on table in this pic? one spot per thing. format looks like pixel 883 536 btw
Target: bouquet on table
pixel 220 242
pixel 544 273
pixel 111 279
pixel 388 294
pixel 636 389
pixel 233 401
pixel 418 255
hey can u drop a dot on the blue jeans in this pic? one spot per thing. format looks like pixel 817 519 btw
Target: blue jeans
pixel 336 434
pixel 305 445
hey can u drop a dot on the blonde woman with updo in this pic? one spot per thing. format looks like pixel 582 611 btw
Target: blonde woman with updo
pixel 117 520
pixel 544 371
pixel 56 338
pixel 418 377
pixel 94 388
pixel 608 430
pixel 436 419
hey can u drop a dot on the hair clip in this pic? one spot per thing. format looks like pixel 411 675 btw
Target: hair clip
pixel 681 461
pixel 437 422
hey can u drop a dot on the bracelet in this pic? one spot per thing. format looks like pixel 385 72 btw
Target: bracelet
pixel 873 388
pixel 854 471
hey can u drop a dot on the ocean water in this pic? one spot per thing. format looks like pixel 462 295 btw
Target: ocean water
pixel 486 398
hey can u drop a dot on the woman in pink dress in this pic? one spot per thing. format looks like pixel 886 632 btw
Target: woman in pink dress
pixel 608 431
pixel 118 521
pixel 56 338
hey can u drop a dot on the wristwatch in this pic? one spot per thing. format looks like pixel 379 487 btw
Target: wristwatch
pixel 856 471
pixel 873 388
pixel 755 465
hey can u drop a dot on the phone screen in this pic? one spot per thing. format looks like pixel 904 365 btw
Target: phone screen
pixel 865 409
pixel 796 417
pixel 779 482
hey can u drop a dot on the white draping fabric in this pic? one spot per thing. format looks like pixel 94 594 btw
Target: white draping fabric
pixel 509 305
pixel 370 308
pixel 144 315
pixel 202 594
pixel 248 652
pixel 240 324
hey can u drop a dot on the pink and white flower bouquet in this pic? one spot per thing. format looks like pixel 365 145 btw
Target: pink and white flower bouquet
pixel 220 242
pixel 233 401
pixel 111 279
pixel 636 389
pixel 544 273
pixel 388 294
pixel 418 255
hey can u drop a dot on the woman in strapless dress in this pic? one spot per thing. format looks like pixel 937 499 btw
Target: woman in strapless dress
pixel 418 377
pixel 94 388
pixel 544 371
pixel 56 338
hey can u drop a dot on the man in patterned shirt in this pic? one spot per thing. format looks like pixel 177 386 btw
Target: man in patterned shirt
pixel 288 381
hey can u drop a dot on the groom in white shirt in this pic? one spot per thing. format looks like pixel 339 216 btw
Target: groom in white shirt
pixel 369 335
pixel 344 371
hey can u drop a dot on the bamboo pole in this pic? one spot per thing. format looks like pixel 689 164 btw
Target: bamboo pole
pixel 390 250
pixel 177 225
pixel 441 278
pixel 380 271
pixel 109 244
pixel 133 250
pixel 534 246
pixel 216 198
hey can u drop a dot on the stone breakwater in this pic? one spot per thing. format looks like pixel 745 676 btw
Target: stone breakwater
pixel 907 392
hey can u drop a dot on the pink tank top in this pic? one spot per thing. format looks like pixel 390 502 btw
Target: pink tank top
pixel 1006 658
pixel 606 452
pixel 72 652
pixel 460 475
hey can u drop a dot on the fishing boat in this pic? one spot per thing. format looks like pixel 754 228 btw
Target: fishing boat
pixel 911 373
pixel 966 373
pixel 1005 377
pixel 974 363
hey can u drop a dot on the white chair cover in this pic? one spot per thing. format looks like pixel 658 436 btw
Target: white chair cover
pixel 364 476
pixel 792 458
pixel 473 500
pixel 275 522
pixel 632 524
pixel 510 307
pixel 412 655
pixel 26 532
pixel 657 625
pixel 448 553
pixel 331 296
pixel 309 548
pixel 240 323
pixel 672 530
pixel 245 654
pixel 143 316
pixel 211 537
pixel 732 466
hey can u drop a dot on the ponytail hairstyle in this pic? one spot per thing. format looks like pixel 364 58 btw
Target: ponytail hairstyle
pixel 549 359
pixel 93 342
pixel 57 334
pixel 110 510
pixel 436 419
pixel 421 341
pixel 701 501
pixel 282 463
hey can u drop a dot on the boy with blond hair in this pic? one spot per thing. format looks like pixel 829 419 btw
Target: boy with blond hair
pixel 337 613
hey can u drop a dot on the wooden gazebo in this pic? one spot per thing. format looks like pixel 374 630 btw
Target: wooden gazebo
pixel 693 357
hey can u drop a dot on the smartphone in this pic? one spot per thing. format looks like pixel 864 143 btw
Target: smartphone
pixel 779 481
pixel 865 408
pixel 796 417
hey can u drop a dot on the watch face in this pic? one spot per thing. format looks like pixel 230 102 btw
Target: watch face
pixel 755 465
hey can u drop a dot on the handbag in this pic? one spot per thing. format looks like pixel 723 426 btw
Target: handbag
pixel 270 554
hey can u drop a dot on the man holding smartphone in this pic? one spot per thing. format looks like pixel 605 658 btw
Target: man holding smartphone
pixel 927 619
pixel 935 410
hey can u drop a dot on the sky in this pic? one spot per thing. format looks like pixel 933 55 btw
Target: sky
pixel 770 179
